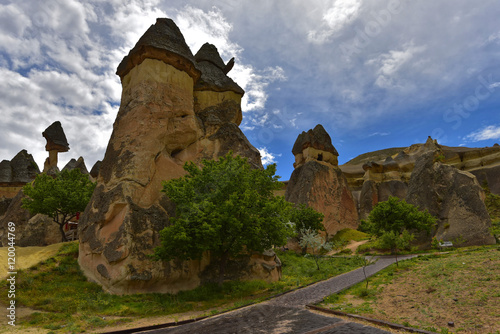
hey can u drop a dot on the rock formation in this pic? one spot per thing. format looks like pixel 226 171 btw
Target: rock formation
pixel 56 142
pixel 94 172
pixel 38 230
pixel 454 197
pixel 175 108
pixel 77 164
pixel 14 174
pixel 375 176
pixel 318 182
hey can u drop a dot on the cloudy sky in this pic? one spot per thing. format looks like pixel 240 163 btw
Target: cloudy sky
pixel 375 74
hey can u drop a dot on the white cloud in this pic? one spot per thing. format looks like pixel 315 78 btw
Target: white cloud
pixel 343 13
pixel 199 27
pixel 379 134
pixel 389 64
pixel 489 132
pixel 267 157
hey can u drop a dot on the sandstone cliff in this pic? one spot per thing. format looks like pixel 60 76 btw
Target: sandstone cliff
pixel 175 108
pixel 375 176
pixel 318 182
pixel 454 197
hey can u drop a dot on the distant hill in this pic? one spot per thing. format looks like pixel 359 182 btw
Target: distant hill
pixel 374 156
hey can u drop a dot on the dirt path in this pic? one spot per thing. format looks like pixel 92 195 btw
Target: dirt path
pixel 353 245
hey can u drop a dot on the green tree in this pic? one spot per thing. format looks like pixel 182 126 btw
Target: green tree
pixel 394 222
pixel 305 218
pixel 60 197
pixel 226 208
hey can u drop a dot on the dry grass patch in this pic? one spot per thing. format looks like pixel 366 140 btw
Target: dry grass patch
pixel 462 288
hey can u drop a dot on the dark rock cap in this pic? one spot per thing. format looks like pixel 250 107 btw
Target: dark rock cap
pixel 208 52
pixel 21 169
pixel 213 71
pixel 56 139
pixel 162 41
pixel 5 171
pixel 77 164
pixel 316 138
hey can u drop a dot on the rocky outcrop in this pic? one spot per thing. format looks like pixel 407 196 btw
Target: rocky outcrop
pixel 318 182
pixel 454 197
pixel 314 145
pixel 56 142
pixel 376 175
pixel 14 174
pixel 31 230
pixel 77 164
pixel 94 172
pixel 175 108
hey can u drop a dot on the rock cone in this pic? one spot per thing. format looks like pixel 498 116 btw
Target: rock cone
pixel 162 123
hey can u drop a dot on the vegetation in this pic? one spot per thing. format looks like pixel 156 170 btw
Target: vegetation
pixel 492 202
pixel 227 208
pixel 394 222
pixel 64 299
pixel 316 243
pixel 350 234
pixel 429 291
pixel 306 218
pixel 60 198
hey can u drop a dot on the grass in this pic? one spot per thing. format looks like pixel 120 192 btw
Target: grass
pixel 430 291
pixel 66 302
pixel 350 234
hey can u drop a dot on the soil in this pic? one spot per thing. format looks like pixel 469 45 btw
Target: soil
pixel 464 294
pixel 353 245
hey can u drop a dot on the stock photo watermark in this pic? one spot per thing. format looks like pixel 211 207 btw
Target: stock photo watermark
pixel 456 114
pixel 11 273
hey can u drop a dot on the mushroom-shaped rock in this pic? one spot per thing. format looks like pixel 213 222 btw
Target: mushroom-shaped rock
pixel 214 87
pixel 213 76
pixel 317 138
pixel 318 182
pixel 56 139
pixel 56 142
pixel 314 144
pixel 162 41
pixel 157 130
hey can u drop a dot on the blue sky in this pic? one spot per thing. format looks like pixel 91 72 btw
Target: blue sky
pixel 374 74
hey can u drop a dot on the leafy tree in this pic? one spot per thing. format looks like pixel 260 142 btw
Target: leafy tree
pixel 306 218
pixel 312 239
pixel 60 197
pixel 226 208
pixel 394 222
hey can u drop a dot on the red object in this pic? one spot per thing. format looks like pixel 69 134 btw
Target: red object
pixel 78 216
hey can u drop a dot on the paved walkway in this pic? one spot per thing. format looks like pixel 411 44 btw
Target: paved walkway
pixel 287 313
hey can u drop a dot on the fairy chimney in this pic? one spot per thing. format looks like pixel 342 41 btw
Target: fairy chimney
pixel 56 142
